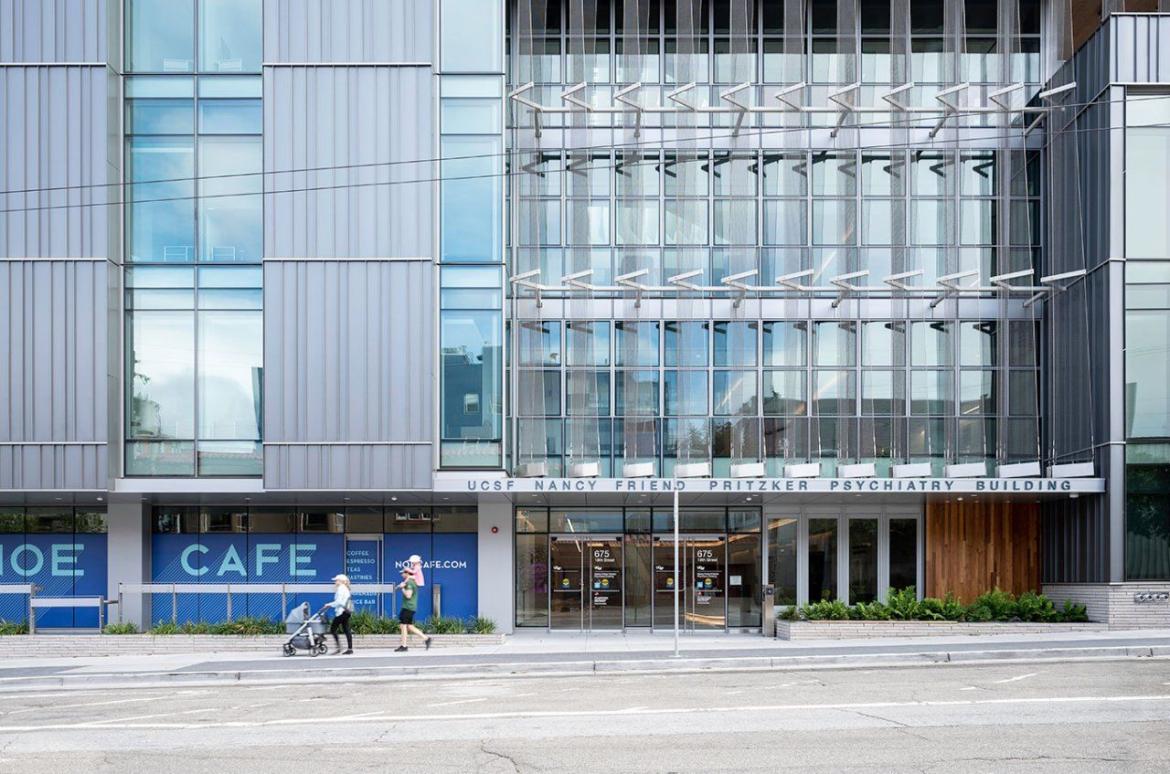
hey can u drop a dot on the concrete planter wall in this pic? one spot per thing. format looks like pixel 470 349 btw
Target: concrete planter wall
pixel 66 645
pixel 860 630
pixel 1131 605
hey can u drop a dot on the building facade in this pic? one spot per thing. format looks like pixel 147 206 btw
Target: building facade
pixel 875 292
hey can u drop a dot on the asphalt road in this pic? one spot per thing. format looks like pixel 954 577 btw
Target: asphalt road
pixel 1106 716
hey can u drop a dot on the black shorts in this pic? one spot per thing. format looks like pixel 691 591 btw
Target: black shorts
pixel 406 617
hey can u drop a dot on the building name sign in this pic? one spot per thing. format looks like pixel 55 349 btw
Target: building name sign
pixel 776 485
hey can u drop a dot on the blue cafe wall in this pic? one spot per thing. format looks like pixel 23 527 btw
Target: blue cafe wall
pixel 449 560
pixel 60 565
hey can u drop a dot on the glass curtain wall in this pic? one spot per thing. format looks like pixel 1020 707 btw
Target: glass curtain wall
pixel 194 239
pixel 1147 336
pixel 471 234
pixel 786 385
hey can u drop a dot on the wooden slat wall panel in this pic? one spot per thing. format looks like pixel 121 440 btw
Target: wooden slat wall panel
pixel 972 547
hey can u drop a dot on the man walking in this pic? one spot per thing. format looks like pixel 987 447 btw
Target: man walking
pixel 409 607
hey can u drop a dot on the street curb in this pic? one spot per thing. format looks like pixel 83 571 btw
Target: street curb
pixel 569 668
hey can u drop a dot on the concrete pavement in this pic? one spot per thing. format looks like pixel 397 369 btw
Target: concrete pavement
pixel 1104 716
pixel 543 653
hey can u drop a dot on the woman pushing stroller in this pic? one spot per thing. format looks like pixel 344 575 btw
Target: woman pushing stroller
pixel 342 605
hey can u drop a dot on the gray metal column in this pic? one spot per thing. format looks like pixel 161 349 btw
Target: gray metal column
pixel 128 555
pixel 497 576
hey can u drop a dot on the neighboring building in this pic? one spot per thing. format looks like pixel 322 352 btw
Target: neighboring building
pixel 878 288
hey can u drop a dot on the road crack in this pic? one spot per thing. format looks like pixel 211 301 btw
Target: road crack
pixel 483 748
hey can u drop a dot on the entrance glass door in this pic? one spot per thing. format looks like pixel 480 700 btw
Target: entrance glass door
pixel 703 570
pixel 587 578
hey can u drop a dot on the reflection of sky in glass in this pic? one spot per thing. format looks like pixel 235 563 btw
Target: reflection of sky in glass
pixel 162 230
pixel 230 363
pixel 229 34
pixel 231 227
pixel 161 36
pixel 163 377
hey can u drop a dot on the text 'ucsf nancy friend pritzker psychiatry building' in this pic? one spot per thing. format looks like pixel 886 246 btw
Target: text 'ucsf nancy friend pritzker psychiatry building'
pixel 880 289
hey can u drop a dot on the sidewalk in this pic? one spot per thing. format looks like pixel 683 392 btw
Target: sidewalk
pixel 542 653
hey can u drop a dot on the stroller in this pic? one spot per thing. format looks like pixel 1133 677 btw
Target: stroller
pixel 306 632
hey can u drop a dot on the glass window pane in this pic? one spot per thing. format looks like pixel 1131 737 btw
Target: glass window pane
pixel 835 393
pixel 231 227
pixel 532 580
pixel 931 344
pixel 785 222
pixel 834 175
pixel 785 175
pixel 977 173
pixel 636 393
pixel 471 379
pixel 230 458
pixel 735 175
pixel 231 366
pixel 472 116
pixel 686 222
pixel 162 375
pixel 883 393
pixel 587 393
pixel 231 86
pixel 883 343
pixel 883 174
pixel 231 116
pixel 977 344
pixel 1147 374
pixel 637 343
pixel 160 458
pixel 1147 190
pixel 685 393
pixel 160 37
pixel 686 343
pixel 161 215
pixel 471 198
pixel 863 560
pixel 735 222
pixel 834 222
pixel 930 222
pixel 785 344
pixel 903 553
pixel 160 116
pixel 472 36
pixel 538 392
pixel 977 392
pixel 785 393
pixel 540 343
pixel 735 393
pixel 782 533
pixel 230 277
pixel 637 222
pixel 230 36
pixel 160 277
pixel 932 392
pixel 587 343
pixel 977 222
pixel 834 343
pixel 735 343
pixel 1022 394
pixel 822 559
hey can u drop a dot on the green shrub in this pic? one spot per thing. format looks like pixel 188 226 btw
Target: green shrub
pixel 248 625
pixel 1031 606
pixel 903 603
pixel 165 627
pixel 946 609
pixel 1074 612
pixel 13 627
pixel 1000 606
pixel 790 613
pixel 444 625
pixel 121 628
pixel 826 610
pixel 870 611
pixel 481 625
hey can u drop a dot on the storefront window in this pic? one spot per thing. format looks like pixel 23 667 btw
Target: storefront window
pixel 903 553
pixel 822 559
pixel 863 560
pixel 782 535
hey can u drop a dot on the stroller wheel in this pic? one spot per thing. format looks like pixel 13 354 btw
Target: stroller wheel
pixel 288 650
pixel 321 649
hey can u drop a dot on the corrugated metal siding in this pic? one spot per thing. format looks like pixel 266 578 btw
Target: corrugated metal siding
pixel 53 30
pixel 1074 540
pixel 1137 49
pixel 347 123
pixel 53 136
pixel 53 387
pixel 348 359
pixel 348 30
